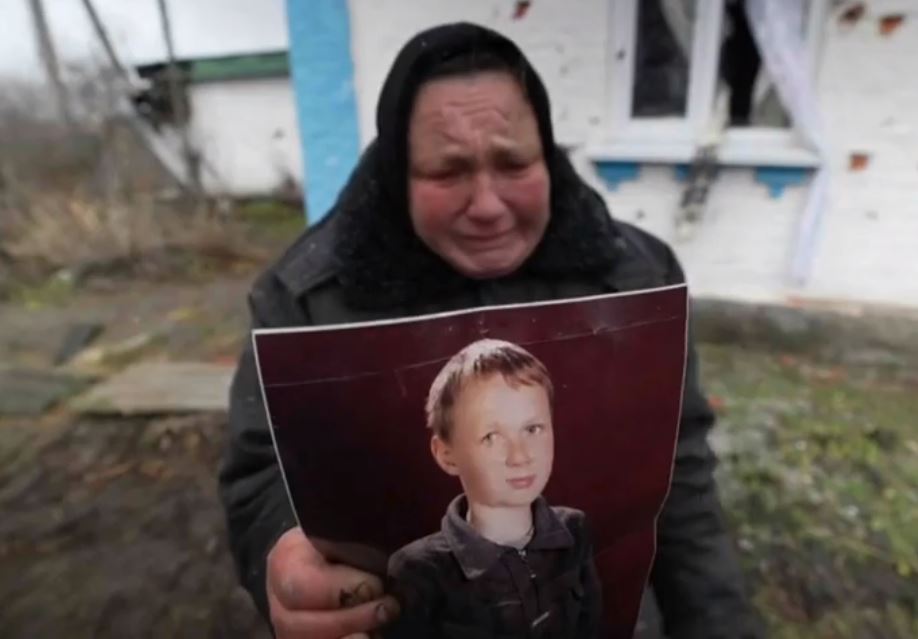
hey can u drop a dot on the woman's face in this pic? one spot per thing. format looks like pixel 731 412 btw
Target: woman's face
pixel 478 184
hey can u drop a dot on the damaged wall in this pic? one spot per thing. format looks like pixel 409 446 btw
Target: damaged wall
pixel 563 44
pixel 869 94
pixel 867 84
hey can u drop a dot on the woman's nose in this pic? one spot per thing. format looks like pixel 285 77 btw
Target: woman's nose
pixel 486 205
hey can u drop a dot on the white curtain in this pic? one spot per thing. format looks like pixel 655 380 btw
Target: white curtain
pixel 777 26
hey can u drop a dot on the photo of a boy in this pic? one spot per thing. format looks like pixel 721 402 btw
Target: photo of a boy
pixel 504 563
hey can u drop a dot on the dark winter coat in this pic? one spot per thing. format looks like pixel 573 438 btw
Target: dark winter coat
pixel 363 262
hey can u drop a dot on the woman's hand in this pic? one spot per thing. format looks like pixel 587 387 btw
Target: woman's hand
pixel 310 598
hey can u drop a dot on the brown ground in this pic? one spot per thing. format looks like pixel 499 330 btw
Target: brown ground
pixel 111 527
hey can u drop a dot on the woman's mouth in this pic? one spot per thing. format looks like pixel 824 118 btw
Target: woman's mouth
pixel 522 483
pixel 486 242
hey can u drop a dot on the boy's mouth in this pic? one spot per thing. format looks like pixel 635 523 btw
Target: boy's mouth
pixel 521 483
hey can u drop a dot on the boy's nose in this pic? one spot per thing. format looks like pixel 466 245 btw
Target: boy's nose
pixel 518 454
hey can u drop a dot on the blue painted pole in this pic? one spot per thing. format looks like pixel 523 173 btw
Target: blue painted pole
pixel 322 74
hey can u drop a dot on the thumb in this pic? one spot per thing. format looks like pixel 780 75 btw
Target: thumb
pixel 301 579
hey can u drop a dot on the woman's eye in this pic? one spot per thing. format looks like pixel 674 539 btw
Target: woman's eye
pixel 513 162
pixel 513 166
pixel 448 170
pixel 532 429
pixel 445 175
pixel 488 439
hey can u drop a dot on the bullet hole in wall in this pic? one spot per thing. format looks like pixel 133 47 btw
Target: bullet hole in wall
pixel 852 14
pixel 858 161
pixel 521 9
pixel 890 23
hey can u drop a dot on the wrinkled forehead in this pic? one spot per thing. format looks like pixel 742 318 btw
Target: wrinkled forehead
pixel 461 117
pixel 487 98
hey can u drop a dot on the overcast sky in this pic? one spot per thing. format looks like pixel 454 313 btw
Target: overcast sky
pixel 200 28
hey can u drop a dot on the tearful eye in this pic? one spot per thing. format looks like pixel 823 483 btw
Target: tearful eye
pixel 447 170
pixel 513 166
pixel 445 175
pixel 514 161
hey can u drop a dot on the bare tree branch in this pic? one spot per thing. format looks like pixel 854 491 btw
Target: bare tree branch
pixel 49 59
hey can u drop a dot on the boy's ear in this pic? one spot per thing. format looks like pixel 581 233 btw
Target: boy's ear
pixel 443 454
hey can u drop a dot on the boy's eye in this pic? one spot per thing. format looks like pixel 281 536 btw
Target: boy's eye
pixel 532 429
pixel 488 439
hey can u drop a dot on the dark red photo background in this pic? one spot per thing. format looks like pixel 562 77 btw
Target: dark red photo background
pixel 347 408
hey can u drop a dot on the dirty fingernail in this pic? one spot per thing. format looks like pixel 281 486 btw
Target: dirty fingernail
pixel 363 593
pixel 385 612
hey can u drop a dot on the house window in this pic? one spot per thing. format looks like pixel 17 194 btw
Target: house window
pixel 662 60
pixel 684 72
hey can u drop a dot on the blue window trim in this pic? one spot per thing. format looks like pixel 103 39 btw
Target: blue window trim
pixel 613 173
pixel 322 73
pixel 778 178
pixel 775 178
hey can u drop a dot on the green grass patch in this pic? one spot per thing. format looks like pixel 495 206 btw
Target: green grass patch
pixel 57 290
pixel 272 219
pixel 819 475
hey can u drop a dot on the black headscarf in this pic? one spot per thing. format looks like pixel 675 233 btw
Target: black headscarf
pixel 381 260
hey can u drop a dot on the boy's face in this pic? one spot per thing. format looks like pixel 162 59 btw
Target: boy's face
pixel 501 445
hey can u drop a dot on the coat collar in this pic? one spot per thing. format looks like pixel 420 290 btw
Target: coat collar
pixel 476 555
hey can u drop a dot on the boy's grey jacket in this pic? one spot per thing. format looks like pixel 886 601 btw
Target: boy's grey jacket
pixel 361 264
pixel 456 583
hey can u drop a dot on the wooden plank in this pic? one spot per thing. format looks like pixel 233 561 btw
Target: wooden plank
pixel 160 387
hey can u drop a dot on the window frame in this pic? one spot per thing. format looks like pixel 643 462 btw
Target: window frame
pixel 675 140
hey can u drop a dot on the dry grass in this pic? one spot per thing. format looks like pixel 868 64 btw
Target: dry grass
pixel 89 199
pixel 51 232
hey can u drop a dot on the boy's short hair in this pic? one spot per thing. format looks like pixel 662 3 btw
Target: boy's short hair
pixel 479 360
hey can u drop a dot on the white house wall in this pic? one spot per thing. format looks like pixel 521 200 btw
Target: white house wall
pixel 247 133
pixel 742 249
pixel 869 94
pixel 868 89
pixel 562 39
